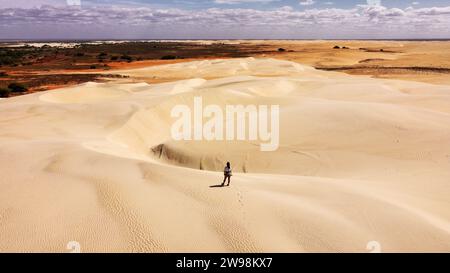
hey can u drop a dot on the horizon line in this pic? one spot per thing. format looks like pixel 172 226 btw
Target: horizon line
pixel 217 39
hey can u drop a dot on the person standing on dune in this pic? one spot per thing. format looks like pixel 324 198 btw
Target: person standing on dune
pixel 227 172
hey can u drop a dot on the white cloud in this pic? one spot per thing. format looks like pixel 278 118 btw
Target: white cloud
pixel 364 21
pixel 307 2
pixel 73 2
pixel 374 2
pixel 28 3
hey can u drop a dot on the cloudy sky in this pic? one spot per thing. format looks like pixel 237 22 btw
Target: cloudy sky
pixel 224 19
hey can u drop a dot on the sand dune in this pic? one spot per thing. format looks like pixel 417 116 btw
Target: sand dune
pixel 360 160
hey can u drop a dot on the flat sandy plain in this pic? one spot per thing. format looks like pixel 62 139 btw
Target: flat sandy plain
pixel 362 158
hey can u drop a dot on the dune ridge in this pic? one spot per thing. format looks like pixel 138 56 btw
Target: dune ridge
pixel 360 160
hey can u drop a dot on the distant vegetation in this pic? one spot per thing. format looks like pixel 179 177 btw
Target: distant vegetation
pixel 12 88
pixel 4 92
pixel 168 57
pixel 338 47
pixel 17 87
pixel 10 57
pixel 126 57
pixel 60 58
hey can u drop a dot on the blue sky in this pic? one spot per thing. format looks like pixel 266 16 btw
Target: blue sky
pixel 224 19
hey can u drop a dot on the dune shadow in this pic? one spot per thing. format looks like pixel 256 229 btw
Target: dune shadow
pixel 217 186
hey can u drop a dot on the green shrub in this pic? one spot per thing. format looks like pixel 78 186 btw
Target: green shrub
pixel 6 60
pixel 126 57
pixel 17 87
pixel 4 92
pixel 168 57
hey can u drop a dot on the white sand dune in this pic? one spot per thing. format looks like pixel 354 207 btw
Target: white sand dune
pixel 360 160
pixel 222 68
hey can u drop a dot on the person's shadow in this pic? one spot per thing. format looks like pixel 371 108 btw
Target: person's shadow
pixel 217 186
